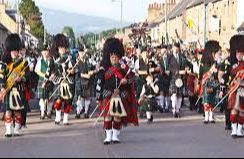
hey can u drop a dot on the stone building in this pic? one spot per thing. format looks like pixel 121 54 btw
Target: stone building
pixel 186 21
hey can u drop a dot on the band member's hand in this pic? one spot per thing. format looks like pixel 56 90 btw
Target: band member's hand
pixel 214 69
pixel 182 72
pixel 71 71
pixel 52 77
pixel 87 76
pixel 18 79
pixel 91 73
pixel 123 81
pixel 140 101
pixel 151 70
pixel 221 94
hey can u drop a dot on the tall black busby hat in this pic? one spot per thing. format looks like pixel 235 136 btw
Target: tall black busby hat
pixel 112 46
pixel 236 44
pixel 13 43
pixel 60 40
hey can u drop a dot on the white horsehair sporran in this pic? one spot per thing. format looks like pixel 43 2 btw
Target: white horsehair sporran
pixel 179 83
pixel 116 107
pixel 65 90
pixel 15 100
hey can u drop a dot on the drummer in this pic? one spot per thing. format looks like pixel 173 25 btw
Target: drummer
pixel 177 68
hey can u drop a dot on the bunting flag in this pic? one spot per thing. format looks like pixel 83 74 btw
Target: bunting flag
pixel 190 24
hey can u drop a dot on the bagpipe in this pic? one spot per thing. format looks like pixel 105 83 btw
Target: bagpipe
pixel 115 104
pixel 206 76
pixel 235 84
pixel 62 80
pixel 15 74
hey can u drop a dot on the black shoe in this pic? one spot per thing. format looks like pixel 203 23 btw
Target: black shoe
pixel 17 135
pixel 77 116
pixel 49 116
pixel 228 127
pixel 8 136
pixel 213 122
pixel 107 143
pixel 149 121
pixel 57 123
pixel 205 122
pixel 86 116
pixel 67 124
pixel 116 142
pixel 178 115
pixel 42 118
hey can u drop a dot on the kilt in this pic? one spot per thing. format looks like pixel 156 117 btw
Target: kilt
pixel 239 106
pixel 6 103
pixel 174 89
pixel 150 104
pixel 210 97
pixel 44 93
pixel 56 95
pixel 84 89
pixel 164 84
pixel 140 81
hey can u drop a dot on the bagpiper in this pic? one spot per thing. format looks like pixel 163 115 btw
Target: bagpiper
pixel 224 79
pixel 85 76
pixel 177 68
pixel 209 78
pixel 236 89
pixel 64 78
pixel 164 79
pixel 116 92
pixel 14 72
pixel 44 69
pixel 148 96
pixel 144 66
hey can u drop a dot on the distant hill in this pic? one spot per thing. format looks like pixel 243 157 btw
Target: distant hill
pixel 55 20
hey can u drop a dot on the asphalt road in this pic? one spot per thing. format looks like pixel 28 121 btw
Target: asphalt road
pixel 167 137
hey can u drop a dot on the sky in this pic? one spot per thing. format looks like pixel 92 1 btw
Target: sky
pixel 133 10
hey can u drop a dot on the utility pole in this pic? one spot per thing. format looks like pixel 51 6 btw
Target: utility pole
pixel 166 23
pixel 18 18
pixel 121 14
pixel 45 33
pixel 205 23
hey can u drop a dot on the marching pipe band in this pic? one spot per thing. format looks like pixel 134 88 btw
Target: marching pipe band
pixel 158 80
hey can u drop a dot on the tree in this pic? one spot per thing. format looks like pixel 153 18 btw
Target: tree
pixel 31 13
pixel 68 31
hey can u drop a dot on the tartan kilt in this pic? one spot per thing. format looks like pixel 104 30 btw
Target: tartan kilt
pixel 44 93
pixel 150 104
pixel 239 103
pixel 57 94
pixel 174 89
pixel 6 103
